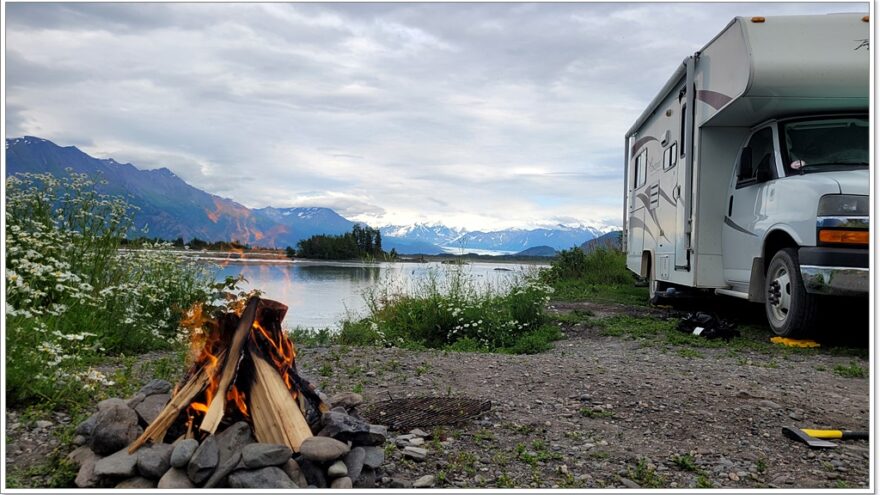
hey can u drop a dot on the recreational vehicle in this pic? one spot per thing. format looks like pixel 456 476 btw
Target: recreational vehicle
pixel 748 175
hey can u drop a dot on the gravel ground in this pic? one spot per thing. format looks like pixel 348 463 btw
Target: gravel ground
pixel 595 411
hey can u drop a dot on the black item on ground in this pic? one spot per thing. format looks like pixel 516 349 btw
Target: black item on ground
pixel 708 325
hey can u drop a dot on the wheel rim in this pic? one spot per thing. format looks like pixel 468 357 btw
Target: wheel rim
pixel 779 294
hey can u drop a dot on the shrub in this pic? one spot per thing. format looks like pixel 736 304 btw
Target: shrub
pixel 602 266
pixel 449 310
pixel 73 296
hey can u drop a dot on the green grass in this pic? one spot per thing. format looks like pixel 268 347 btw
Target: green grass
pixel 646 477
pixel 852 370
pixel 685 462
pixel 704 482
pixel 689 353
pixel 450 310
pixel 589 412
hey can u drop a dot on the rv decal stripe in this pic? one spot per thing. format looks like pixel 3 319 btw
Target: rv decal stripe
pixel 734 226
pixel 637 223
pixel 666 197
pixel 641 142
pixel 713 98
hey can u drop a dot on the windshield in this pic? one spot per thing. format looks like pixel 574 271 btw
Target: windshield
pixel 823 144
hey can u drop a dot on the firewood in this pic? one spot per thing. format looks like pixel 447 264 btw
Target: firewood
pixel 155 432
pixel 216 408
pixel 276 415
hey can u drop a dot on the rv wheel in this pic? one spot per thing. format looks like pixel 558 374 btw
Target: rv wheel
pixel 791 311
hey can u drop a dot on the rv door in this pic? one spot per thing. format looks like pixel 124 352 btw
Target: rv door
pixel 683 190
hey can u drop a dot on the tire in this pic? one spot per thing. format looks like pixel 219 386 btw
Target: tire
pixel 791 310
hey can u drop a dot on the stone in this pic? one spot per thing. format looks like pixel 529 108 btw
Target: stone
pixel 203 461
pixel 323 449
pixel 350 429
pixel 400 483
pixel 135 400
pixel 419 433
pixel 116 426
pixel 226 466
pixel 769 404
pixel 43 424
pixel 417 441
pixel 86 427
pixel 266 477
pixel 136 483
pixel 343 483
pixel 154 387
pixel 367 479
pixel 373 457
pixel 257 455
pixel 415 453
pixel 293 471
pixel 175 478
pixel 230 443
pixel 629 483
pixel 337 470
pixel 313 473
pixel 120 464
pixel 80 455
pixel 183 452
pixel 79 440
pixel 150 407
pixel 110 403
pixel 347 400
pixel 154 460
pixel 234 438
pixel 426 481
pixel 354 462
pixel 86 477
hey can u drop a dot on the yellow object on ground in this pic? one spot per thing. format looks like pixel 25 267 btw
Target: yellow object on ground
pixel 794 342
pixel 823 433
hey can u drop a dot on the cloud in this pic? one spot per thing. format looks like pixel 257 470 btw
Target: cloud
pixel 475 115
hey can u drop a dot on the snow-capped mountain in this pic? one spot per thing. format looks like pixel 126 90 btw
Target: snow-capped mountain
pixel 508 240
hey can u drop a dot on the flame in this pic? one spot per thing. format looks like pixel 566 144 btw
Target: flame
pixel 239 399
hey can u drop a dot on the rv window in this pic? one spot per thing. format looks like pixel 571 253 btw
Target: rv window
pixel 681 131
pixel 670 156
pixel 757 159
pixel 640 169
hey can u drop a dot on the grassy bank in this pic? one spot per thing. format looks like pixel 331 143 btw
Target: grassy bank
pixel 73 300
pixel 600 276
pixel 450 310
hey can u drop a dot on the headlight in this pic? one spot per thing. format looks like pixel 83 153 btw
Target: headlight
pixel 843 205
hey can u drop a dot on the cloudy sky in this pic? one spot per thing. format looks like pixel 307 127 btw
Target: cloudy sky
pixel 481 116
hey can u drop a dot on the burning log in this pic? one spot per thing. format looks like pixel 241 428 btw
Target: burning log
pixel 245 369
pixel 215 410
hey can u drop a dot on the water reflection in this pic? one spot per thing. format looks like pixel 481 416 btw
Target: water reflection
pixel 321 294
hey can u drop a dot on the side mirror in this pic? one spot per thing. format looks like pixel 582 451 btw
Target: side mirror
pixel 745 163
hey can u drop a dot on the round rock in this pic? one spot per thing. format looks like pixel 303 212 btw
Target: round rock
pixel 323 449
pixel 257 455
pixel 343 483
pixel 203 461
pixel 337 470
pixel 154 460
pixel 266 477
pixel 116 426
pixel 183 452
pixel 175 478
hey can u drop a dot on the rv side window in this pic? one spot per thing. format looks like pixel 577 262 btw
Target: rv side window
pixel 681 130
pixel 756 161
pixel 640 169
pixel 670 156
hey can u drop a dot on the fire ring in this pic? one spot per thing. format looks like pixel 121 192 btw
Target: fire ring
pixel 411 412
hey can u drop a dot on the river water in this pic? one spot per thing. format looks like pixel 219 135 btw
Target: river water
pixel 321 294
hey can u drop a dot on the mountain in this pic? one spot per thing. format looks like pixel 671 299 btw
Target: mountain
pixel 545 251
pixel 436 234
pixel 610 240
pixel 171 208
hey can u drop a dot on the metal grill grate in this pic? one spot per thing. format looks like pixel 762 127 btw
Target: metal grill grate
pixel 403 414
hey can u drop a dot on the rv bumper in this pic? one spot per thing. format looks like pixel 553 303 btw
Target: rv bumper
pixel 834 271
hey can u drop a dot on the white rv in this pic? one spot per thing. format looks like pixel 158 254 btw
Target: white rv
pixel 748 173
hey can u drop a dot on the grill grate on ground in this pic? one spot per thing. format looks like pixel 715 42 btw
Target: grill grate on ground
pixel 412 412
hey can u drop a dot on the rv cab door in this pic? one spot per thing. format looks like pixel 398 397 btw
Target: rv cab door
pixel 748 202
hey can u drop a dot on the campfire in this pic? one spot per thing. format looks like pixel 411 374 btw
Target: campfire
pixel 244 370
